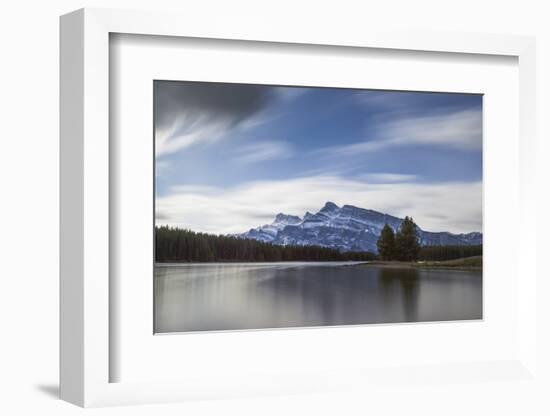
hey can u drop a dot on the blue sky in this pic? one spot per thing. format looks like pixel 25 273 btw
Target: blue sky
pixel 231 156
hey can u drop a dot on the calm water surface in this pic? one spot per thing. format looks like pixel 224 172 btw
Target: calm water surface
pixel 216 296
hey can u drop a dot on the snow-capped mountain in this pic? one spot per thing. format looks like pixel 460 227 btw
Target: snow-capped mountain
pixel 346 228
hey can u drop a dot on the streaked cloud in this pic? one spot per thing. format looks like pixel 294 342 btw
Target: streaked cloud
pixel 389 177
pixel 237 209
pixel 262 151
pixel 187 113
pixel 460 130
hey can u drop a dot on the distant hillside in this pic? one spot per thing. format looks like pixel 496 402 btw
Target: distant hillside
pixel 346 228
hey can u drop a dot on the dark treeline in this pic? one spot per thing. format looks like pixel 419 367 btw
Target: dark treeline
pixel 440 253
pixel 174 244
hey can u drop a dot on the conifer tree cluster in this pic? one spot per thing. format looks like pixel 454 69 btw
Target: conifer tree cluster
pixel 403 245
pixel 177 245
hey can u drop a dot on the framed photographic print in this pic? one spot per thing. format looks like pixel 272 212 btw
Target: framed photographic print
pixel 247 233
pixel 267 212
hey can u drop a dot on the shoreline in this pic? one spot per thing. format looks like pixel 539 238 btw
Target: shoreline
pixel 259 261
pixel 466 263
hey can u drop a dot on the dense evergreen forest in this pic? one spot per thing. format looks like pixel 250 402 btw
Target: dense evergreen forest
pixel 441 253
pixel 175 245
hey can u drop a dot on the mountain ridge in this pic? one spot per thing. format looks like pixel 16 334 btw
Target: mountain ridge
pixel 347 228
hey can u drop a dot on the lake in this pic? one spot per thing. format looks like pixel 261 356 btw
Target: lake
pixel 231 296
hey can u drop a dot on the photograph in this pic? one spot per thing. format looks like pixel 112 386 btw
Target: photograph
pixel 281 206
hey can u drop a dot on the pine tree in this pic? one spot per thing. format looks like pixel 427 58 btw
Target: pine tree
pixel 406 241
pixel 386 243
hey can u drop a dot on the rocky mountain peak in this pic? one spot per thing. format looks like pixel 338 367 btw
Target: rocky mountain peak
pixel 348 228
pixel 289 219
pixel 330 207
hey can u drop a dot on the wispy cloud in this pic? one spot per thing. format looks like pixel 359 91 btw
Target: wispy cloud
pixel 389 177
pixel 183 132
pixel 188 113
pixel 237 209
pixel 262 151
pixel 459 130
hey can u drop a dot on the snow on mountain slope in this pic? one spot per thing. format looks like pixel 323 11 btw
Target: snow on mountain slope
pixel 346 228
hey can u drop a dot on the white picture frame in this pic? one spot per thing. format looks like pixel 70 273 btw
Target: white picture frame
pixel 85 208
